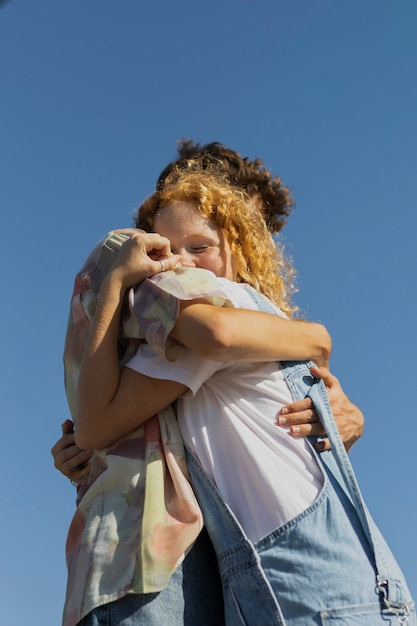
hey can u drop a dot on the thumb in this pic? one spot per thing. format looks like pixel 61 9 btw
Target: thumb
pixel 322 373
pixel 67 427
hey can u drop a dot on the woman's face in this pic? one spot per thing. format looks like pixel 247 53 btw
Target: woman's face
pixel 198 239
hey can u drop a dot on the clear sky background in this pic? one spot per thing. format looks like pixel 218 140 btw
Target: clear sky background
pixel 94 95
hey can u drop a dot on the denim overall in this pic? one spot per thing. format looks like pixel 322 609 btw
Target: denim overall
pixel 328 566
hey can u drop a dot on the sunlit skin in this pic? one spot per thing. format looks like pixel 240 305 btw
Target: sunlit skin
pixel 200 242
pixel 114 400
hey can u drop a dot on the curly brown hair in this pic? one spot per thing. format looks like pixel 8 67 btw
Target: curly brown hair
pixel 250 175
pixel 259 261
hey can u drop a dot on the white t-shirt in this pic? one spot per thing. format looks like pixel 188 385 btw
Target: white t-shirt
pixel 227 418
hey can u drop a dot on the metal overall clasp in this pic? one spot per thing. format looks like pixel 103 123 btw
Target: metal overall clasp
pixel 395 606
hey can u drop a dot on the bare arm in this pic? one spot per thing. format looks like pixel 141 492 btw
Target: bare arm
pixel 240 335
pixel 226 334
pixel 112 401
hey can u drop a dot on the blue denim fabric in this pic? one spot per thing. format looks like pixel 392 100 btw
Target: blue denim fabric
pixel 193 597
pixel 390 579
pixel 248 596
pixel 321 567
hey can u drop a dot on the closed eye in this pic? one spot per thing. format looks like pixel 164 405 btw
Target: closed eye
pixel 198 249
pixel 193 249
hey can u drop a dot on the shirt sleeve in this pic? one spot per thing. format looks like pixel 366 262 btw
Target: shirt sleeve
pixel 189 369
pixel 152 308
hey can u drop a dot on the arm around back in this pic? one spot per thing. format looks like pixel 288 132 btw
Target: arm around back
pixel 227 334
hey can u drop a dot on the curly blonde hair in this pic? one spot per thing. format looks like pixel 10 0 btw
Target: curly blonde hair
pixel 259 261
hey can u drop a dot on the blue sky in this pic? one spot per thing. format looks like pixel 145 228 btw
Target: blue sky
pixel 94 95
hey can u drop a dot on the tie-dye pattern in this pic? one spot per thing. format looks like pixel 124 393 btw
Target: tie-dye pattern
pixel 136 515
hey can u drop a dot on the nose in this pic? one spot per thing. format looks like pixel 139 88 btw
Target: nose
pixel 187 258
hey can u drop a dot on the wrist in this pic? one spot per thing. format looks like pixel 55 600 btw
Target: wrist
pixel 113 287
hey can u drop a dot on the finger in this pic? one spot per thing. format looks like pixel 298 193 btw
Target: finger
pixel 67 427
pixel 79 458
pixel 300 405
pixel 66 449
pixel 153 241
pixel 76 466
pixel 299 417
pixel 66 441
pixel 61 456
pixel 162 245
pixel 166 263
pixel 146 244
pixel 151 249
pixel 324 374
pixel 79 475
pixel 323 444
pixel 306 430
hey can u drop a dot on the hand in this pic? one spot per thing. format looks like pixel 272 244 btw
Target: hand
pixel 143 255
pixel 348 417
pixel 69 459
pixel 302 419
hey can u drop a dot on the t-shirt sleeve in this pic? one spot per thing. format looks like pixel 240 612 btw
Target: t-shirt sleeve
pixel 189 369
pixel 152 308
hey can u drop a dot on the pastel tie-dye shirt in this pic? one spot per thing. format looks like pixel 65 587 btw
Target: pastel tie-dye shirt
pixel 136 515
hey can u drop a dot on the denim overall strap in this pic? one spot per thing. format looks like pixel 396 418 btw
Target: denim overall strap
pixel 303 384
pixel 242 574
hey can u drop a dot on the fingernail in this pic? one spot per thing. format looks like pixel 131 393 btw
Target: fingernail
pixel 282 421
pixel 284 410
pixel 295 430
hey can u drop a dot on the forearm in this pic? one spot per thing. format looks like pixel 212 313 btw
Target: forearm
pixel 226 334
pixel 100 371
pixel 112 401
